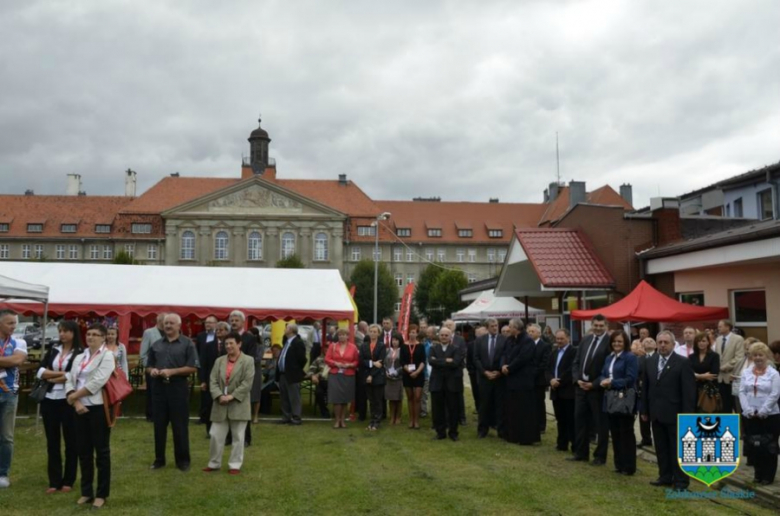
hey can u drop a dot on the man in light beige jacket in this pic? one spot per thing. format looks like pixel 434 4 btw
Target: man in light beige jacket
pixel 728 346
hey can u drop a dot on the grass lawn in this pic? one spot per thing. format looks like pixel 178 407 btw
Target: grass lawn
pixel 315 469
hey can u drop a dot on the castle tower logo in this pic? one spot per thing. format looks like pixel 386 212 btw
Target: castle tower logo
pixel 708 445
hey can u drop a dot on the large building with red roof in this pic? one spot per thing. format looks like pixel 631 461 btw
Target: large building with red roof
pixel 257 218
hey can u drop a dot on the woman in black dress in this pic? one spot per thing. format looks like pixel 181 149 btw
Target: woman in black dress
pixel 706 366
pixel 413 365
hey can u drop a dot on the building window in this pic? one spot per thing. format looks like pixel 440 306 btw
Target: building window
pixel 765 210
pixel 491 253
pixel 465 233
pixel 399 279
pixel 26 251
pixel 472 277
pixel 429 255
pixel 143 229
pixel 749 307
pixel 130 250
pixel 366 230
pixel 68 228
pixel 255 247
pixel 4 227
pixel 288 244
pixel 495 233
pixel 355 254
pixel 221 240
pixel 461 255
pixel 108 252
pixel 94 252
pixel 398 254
pixel 434 233
pixel 188 245
pixel 103 228
pixel 691 298
pixel 151 252
pixel 377 254
pixel 409 278
pixel 472 255
pixel 501 255
pixel 38 251
pixel 59 252
pixel 4 251
pixel 738 208
pixel 321 247
pixel 409 255
pixel 404 232
pixel 73 252
pixel 397 307
pixel 441 255
pixel 35 228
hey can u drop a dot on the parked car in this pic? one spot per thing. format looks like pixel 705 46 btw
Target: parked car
pixel 51 337
pixel 27 331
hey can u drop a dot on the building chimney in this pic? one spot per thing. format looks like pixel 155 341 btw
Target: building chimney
pixel 343 179
pixel 130 178
pixel 627 193
pixel 82 193
pixel 29 192
pixel 554 189
pixel 546 196
pixel 493 200
pixel 666 213
pixel 576 193
pixel 74 184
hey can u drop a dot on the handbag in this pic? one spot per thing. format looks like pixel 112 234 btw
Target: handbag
pixel 39 390
pixel 764 444
pixel 116 390
pixel 709 401
pixel 621 401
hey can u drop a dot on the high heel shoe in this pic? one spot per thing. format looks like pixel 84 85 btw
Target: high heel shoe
pixel 84 500
pixel 98 503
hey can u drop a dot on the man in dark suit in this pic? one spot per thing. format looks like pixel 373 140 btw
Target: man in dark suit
pixel 372 358
pixel 588 397
pixel 290 373
pixel 446 384
pixel 559 375
pixel 471 368
pixel 206 339
pixel 669 389
pixel 460 342
pixel 488 350
pixel 542 350
pixel 646 436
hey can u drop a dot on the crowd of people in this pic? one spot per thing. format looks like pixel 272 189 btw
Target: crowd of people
pixel 597 387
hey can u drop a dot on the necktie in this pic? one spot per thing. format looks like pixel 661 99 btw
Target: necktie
pixel 589 355
pixel 491 348
pixel 723 344
pixel 387 339
pixel 661 365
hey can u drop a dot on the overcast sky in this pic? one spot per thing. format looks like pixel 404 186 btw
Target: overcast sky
pixel 460 99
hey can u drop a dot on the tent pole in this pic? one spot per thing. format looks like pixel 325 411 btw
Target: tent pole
pixel 43 349
pixel 525 301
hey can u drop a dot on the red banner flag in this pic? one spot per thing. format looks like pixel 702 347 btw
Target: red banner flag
pixel 406 310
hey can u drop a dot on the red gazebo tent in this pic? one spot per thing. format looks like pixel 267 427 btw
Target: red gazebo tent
pixel 646 304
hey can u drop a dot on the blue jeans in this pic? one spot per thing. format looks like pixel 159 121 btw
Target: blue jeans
pixel 8 404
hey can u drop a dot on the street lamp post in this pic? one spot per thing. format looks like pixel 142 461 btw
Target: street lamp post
pixel 382 216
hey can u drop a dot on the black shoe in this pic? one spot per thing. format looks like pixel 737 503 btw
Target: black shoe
pixel 284 422
pixel 597 462
pixel 183 467
pixel 454 438
pixel 576 459
pixel 295 422
pixel 627 473
pixel 617 471
pixel 661 483
pixel 157 465
pixel 439 437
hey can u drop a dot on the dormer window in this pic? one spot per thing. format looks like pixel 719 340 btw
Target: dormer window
pixel 465 233
pixel 434 232
pixel 68 228
pixel 404 232
pixel 495 233
pixel 4 227
pixel 144 229
pixel 103 228
pixel 366 230
pixel 35 228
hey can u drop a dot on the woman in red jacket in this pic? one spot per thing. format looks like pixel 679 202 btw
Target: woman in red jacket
pixel 343 359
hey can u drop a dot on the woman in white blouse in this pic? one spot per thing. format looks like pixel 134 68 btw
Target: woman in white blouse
pixel 59 418
pixel 91 370
pixel 759 390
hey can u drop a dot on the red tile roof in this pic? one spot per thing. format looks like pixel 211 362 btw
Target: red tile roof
pixel 449 216
pixel 54 210
pixel 605 196
pixel 564 258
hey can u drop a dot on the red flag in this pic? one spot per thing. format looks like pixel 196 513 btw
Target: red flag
pixel 406 310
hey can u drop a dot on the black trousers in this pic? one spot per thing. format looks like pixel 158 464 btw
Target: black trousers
pixel 170 404
pixel 621 428
pixel 361 397
pixel 564 415
pixel 376 399
pixel 462 407
pixel 321 398
pixel 765 464
pixel 204 414
pixel 588 418
pixel 446 416
pixel 148 397
pixel 541 407
pixel 474 380
pixel 646 434
pixel 726 397
pixel 666 451
pixel 94 436
pixel 491 406
pixel 59 422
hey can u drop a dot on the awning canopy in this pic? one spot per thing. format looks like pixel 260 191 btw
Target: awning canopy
pixel 646 304
pixel 109 289
pixel 488 305
pixel 15 289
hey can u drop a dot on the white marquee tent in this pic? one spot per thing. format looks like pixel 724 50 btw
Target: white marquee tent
pixel 488 305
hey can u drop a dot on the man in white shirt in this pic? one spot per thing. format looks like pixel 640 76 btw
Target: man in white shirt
pixel 13 353
pixel 685 348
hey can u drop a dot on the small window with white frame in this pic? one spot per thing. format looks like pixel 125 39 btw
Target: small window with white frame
pixel 130 250
pixel 103 228
pixel 472 255
pixel 321 247
pixel 355 254
pixel 491 255
pixel 5 251
pixel 255 246
pixel 765 206
pixel 404 232
pixel 501 255
pixel 465 233
pixel 68 228
pixel 434 232
pixel 409 255
pixel 495 233
pixel 472 277
pixel 365 231
pixel 460 255
pixel 398 254
pixel 35 228
pixel 4 227
pixel 108 252
pixel 25 251
pixel 151 252
pixel 441 255
pixel 73 252
pixel 59 252
pixel 38 251
pixel 139 228
pixel 409 278
pixel 94 252
pixel 399 279
pixel 429 254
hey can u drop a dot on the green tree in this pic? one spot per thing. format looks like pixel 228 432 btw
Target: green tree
pixel 124 258
pixel 444 299
pixel 291 262
pixel 422 289
pixel 363 278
